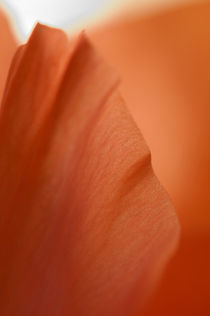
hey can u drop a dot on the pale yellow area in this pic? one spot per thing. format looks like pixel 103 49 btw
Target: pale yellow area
pixel 117 8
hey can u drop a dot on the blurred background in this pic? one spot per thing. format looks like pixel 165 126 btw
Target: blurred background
pixel 76 14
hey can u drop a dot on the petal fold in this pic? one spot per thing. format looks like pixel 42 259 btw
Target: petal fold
pixel 85 228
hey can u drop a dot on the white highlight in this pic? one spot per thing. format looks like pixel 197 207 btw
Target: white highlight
pixel 77 14
pixel 59 13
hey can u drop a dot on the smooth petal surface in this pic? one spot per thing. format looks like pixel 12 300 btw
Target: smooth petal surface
pixel 164 60
pixel 8 46
pixel 85 228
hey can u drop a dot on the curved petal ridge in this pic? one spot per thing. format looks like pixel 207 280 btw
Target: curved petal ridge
pixel 85 225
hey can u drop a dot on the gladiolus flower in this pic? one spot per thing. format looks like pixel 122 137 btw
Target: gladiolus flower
pixel 86 228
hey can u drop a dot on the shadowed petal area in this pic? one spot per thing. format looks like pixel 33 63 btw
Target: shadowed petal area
pixel 85 228
pixel 8 47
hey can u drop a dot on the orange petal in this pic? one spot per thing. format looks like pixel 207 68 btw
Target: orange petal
pixel 8 47
pixel 85 225
pixel 165 64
